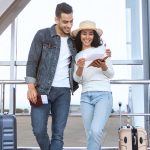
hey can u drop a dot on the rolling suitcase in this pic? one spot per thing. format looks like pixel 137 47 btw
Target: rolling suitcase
pixel 8 132
pixel 132 138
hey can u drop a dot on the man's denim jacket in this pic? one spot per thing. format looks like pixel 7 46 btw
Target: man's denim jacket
pixel 43 58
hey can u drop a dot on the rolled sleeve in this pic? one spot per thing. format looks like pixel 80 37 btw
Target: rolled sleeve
pixel 30 80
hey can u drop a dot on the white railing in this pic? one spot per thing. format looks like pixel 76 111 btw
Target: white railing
pixel 124 81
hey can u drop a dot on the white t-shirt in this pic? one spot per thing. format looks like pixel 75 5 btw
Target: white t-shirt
pixel 61 78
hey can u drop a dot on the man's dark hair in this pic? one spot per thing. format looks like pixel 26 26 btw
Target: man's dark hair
pixel 63 8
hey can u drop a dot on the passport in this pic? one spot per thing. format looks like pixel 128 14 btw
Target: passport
pixel 38 103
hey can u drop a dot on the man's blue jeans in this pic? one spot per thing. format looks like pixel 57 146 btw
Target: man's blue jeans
pixel 96 107
pixel 59 103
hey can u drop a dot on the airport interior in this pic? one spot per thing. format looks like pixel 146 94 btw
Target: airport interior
pixel 135 84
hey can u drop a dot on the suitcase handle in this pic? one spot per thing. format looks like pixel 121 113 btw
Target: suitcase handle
pixel 134 139
pixel 120 104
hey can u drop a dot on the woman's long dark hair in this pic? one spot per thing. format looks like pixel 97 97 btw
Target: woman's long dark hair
pixel 97 41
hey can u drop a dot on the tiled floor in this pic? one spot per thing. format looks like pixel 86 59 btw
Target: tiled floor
pixel 68 148
pixel 74 138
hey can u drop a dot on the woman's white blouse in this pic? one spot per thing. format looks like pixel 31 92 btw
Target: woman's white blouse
pixel 94 79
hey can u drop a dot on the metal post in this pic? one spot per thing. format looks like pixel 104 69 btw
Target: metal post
pixel 148 117
pixel 14 100
pixel 2 97
pixel 12 64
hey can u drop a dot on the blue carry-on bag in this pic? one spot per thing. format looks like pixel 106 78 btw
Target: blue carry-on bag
pixel 8 132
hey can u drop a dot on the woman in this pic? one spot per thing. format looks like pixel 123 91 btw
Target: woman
pixel 96 97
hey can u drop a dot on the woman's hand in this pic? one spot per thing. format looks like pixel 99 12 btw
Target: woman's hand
pixel 99 63
pixel 81 62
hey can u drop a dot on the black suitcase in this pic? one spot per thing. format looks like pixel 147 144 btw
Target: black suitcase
pixel 8 132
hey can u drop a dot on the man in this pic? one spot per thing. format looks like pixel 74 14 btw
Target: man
pixel 49 74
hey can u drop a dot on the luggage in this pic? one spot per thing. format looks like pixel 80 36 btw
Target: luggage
pixel 132 138
pixel 8 132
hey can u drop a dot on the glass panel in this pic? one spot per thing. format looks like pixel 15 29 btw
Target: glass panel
pixel 122 72
pixel 6 98
pixel 21 72
pixel 110 17
pixel 128 72
pixel 4 73
pixel 5 42
pixel 21 98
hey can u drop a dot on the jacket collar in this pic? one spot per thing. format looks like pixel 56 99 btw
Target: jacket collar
pixel 53 31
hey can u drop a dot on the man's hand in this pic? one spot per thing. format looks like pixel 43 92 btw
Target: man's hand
pixel 32 93
pixel 108 52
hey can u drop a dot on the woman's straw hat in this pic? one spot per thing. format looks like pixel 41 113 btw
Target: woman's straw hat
pixel 87 25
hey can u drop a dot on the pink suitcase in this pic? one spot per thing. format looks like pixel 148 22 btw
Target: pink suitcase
pixel 132 138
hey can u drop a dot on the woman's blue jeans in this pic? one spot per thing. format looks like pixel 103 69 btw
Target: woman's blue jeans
pixel 59 103
pixel 95 108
